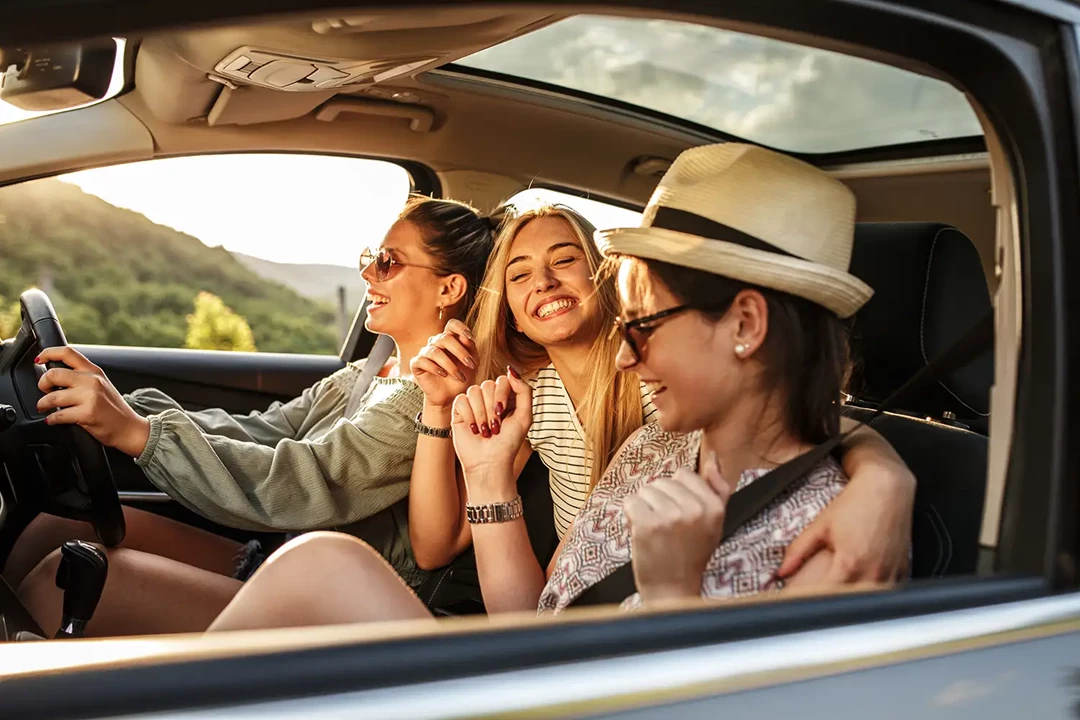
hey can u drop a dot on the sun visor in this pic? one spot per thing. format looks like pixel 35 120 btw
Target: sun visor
pixel 101 134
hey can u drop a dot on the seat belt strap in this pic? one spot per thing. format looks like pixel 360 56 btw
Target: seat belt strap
pixel 746 503
pixel 380 353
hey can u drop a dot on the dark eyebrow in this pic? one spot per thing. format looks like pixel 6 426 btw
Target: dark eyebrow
pixel 553 248
pixel 396 252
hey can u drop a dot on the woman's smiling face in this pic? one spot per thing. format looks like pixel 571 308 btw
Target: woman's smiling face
pixel 549 284
pixel 406 301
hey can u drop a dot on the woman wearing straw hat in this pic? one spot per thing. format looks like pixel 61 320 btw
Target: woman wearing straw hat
pixel 733 292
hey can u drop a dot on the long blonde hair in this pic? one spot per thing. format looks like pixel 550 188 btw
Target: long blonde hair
pixel 611 408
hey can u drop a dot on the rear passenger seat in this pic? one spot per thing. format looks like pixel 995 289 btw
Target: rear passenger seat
pixel 929 289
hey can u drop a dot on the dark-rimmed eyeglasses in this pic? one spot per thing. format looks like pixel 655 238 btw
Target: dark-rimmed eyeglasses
pixel 384 263
pixel 635 332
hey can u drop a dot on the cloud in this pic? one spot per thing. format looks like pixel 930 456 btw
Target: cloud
pixel 777 93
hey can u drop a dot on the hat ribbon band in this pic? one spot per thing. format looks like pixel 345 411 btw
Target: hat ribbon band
pixel 669 218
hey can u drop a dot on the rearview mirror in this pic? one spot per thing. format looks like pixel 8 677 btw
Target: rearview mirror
pixel 56 77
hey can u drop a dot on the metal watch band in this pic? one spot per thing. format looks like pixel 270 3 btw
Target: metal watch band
pixel 423 429
pixel 495 512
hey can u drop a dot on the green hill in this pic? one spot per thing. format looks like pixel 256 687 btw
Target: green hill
pixel 117 278
pixel 316 281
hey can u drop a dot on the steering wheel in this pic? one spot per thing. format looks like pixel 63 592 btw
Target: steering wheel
pixel 74 478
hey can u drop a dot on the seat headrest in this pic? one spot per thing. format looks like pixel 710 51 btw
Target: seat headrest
pixel 929 289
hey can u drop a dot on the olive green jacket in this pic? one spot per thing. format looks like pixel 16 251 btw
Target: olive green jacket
pixel 296 466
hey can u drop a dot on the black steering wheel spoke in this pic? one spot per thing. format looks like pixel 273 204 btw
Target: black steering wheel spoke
pixel 71 469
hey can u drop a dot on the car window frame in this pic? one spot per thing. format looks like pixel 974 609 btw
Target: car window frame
pixel 1043 156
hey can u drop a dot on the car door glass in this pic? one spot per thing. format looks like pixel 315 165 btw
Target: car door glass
pixel 226 252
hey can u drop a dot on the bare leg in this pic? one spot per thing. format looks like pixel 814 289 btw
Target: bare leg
pixel 144 595
pixel 321 578
pixel 146 531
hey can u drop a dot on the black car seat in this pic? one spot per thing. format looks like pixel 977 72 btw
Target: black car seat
pixel 929 289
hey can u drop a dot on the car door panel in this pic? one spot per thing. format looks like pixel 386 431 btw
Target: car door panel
pixel 198 379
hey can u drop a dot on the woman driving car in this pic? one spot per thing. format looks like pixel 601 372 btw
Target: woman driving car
pixel 330 458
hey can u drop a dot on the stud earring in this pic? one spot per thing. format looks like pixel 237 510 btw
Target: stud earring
pixel 740 349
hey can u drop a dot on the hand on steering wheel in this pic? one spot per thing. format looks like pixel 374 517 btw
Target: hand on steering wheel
pixel 81 395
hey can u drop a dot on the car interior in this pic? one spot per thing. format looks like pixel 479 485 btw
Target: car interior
pixel 433 92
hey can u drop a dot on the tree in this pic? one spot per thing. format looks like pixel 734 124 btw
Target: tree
pixel 214 326
pixel 10 318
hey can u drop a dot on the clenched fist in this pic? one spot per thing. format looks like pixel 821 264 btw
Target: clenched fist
pixel 676 525
pixel 446 366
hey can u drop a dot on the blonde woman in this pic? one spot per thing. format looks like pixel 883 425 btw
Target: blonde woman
pixel 541 311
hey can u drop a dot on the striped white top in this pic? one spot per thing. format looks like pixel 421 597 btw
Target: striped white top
pixel 556 435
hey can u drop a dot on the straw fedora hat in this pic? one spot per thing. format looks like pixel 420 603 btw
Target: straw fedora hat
pixel 753 215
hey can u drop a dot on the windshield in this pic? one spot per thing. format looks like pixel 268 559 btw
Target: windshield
pixel 775 93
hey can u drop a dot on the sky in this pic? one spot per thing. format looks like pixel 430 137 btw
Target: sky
pixel 279 207
pixel 781 94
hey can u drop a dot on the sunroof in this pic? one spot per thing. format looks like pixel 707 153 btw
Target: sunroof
pixel 779 94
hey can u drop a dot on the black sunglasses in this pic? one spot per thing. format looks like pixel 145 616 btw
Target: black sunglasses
pixel 636 331
pixel 384 263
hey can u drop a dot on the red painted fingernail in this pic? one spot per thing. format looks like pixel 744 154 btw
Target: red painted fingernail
pixel 461 376
pixel 442 373
pixel 475 430
pixel 499 409
pixel 495 427
pixel 37 360
pixel 512 372
pixel 485 430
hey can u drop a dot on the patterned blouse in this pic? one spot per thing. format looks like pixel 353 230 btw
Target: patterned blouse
pixel 745 564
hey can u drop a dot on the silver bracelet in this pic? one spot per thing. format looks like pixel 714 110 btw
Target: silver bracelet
pixel 495 512
pixel 423 429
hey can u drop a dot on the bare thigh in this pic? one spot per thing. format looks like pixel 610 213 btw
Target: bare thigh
pixel 146 532
pixel 144 595
pixel 322 578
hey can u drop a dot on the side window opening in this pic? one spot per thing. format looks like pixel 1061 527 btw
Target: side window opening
pixel 223 252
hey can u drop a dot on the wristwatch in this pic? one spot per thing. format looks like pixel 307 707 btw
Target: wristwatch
pixel 495 512
pixel 423 429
